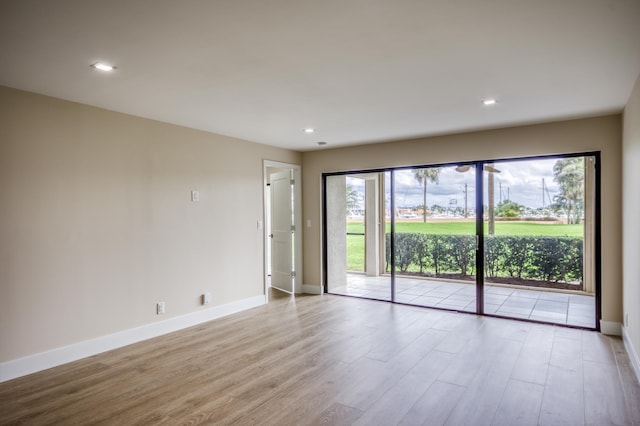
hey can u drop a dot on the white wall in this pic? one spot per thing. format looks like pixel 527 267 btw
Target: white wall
pixel 631 223
pixel 97 225
pixel 593 134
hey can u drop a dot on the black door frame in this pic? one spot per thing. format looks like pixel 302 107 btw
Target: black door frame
pixel 478 166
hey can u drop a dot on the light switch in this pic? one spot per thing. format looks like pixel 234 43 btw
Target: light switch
pixel 195 195
pixel 308 223
pixel 259 225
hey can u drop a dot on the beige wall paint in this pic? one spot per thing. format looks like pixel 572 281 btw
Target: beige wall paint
pixel 631 213
pixel 96 222
pixel 593 134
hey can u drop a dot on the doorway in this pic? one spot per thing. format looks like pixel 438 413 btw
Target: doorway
pixel 513 238
pixel 282 227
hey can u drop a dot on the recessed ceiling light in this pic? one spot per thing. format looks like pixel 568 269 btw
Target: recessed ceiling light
pixel 309 130
pixel 489 102
pixel 103 67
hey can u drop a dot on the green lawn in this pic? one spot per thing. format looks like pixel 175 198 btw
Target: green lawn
pixel 355 253
pixel 355 243
pixel 468 228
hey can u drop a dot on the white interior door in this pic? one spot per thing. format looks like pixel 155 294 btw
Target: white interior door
pixel 281 231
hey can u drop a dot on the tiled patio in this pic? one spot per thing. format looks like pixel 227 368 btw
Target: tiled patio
pixel 549 306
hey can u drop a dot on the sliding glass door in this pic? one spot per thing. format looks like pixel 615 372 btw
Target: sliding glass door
pixel 435 238
pixel 356 205
pixel 539 240
pixel 511 238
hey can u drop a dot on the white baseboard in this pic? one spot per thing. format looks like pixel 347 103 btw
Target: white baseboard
pixel 311 289
pixel 610 328
pixel 631 351
pixel 52 358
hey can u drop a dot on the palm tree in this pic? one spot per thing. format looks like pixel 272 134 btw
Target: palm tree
pixel 352 198
pixel 569 174
pixel 423 176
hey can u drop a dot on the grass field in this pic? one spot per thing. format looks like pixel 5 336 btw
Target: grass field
pixel 468 228
pixel 355 243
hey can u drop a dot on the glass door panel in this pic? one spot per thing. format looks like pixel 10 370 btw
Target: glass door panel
pixel 539 227
pixel 353 237
pixel 434 240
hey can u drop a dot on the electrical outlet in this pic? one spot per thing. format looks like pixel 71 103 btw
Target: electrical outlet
pixel 205 299
pixel 160 308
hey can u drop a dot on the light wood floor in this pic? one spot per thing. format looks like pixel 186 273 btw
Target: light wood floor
pixel 322 360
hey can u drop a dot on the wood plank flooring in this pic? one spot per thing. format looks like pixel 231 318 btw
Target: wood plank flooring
pixel 332 360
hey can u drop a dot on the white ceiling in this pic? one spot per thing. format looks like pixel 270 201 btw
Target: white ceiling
pixel 358 71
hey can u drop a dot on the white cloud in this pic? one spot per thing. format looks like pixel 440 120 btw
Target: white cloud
pixel 520 181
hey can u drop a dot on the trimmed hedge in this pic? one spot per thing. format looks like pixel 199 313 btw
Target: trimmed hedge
pixel 552 259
